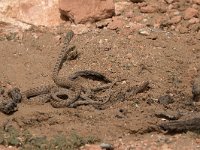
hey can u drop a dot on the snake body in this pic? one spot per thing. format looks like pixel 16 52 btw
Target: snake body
pixel 60 82
pixel 65 92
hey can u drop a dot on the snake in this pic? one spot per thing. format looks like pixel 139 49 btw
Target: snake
pixel 64 92
pixel 8 103
pixel 47 92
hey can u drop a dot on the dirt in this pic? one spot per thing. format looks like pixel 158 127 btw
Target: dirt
pixel 167 59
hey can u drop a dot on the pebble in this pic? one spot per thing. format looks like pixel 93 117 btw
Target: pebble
pixel 137 1
pixel 190 13
pixel 175 20
pixel 196 89
pixel 194 20
pixel 144 32
pixel 148 9
pixel 2 90
pixel 103 23
pixel 165 100
pixel 106 146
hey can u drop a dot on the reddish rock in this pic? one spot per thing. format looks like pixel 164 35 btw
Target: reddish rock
pixel 175 20
pixel 117 22
pixel 190 13
pixel 142 4
pixel 82 11
pixel 80 28
pixel 196 2
pixel 138 18
pixel 194 20
pixel 148 9
pixel 103 23
pixel 129 14
pixel 136 26
pixel 183 30
pixel 12 25
pixel 121 7
pixel 36 12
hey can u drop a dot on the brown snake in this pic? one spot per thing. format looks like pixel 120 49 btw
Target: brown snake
pixel 65 92
pixel 63 82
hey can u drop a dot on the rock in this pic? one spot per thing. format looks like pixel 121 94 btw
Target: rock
pixel 194 20
pixel 91 147
pixel 106 146
pixel 165 100
pixel 137 1
pixel 82 11
pixel 196 2
pixel 183 30
pixel 1 90
pixel 105 45
pixel 175 20
pixel 36 12
pixel 196 89
pixel 80 28
pixel 129 14
pixel 13 25
pixel 136 26
pixel 169 1
pixel 121 7
pixel 162 9
pixel 116 23
pixel 142 4
pixel 103 23
pixel 144 31
pixel 190 13
pixel 148 9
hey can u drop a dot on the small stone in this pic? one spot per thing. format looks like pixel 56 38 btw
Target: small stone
pixel 116 23
pixel 194 20
pixel 130 36
pixel 190 13
pixel 153 37
pixel 162 9
pixel 148 9
pixel 169 1
pixel 105 45
pixel 142 4
pixel 1 90
pixel 137 1
pixel 195 6
pixel 129 56
pixel 91 147
pixel 106 146
pixel 196 89
pixel 136 26
pixel 183 30
pixel 165 100
pixel 196 2
pixel 144 32
pixel 103 23
pixel 80 28
pixel 121 7
pixel 175 20
pixel 129 14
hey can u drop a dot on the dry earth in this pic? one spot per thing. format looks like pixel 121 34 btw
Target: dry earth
pixel 167 59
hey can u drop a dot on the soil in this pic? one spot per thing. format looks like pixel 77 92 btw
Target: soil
pixel 167 59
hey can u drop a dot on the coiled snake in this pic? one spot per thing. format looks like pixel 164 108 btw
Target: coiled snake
pixel 65 92
pixel 49 92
